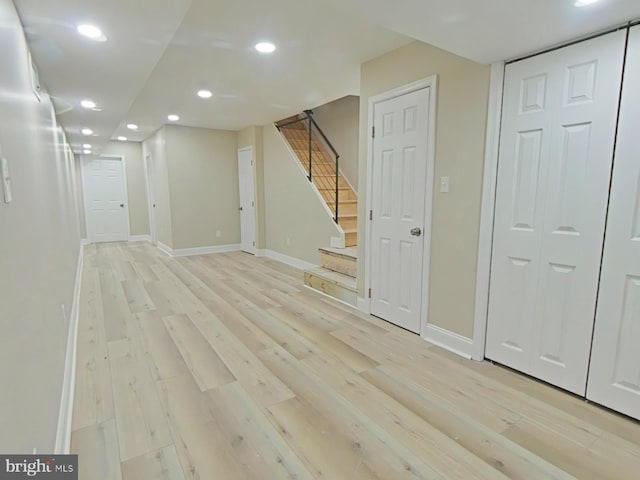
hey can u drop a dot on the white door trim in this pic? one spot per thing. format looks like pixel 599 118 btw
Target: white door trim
pixel 485 238
pixel 126 192
pixel 249 148
pixel 431 83
pixel 153 221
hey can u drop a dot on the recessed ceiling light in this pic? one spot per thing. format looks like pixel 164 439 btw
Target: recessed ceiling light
pixel 132 126
pixel 173 118
pixel 86 151
pixel 87 131
pixel 92 32
pixel 122 139
pixel 205 93
pixel 265 47
pixel 86 145
pixel 88 104
pixel 584 3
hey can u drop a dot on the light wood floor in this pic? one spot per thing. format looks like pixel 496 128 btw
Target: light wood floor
pixel 225 367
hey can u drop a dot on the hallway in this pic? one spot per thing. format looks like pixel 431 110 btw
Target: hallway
pixel 225 366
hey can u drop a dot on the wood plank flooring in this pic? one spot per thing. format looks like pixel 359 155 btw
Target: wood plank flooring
pixel 225 367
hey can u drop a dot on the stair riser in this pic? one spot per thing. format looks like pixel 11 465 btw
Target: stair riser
pixel 348 223
pixel 346 266
pixel 343 194
pixel 350 239
pixel 344 208
pixel 331 289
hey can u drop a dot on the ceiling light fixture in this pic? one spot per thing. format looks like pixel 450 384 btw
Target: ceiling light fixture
pixel 173 118
pixel 86 151
pixel 86 145
pixel 265 47
pixel 584 3
pixel 132 126
pixel 122 139
pixel 205 93
pixel 92 32
pixel 87 131
pixel 88 103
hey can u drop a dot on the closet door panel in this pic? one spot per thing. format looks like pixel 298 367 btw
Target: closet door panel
pixel 556 147
pixel 614 378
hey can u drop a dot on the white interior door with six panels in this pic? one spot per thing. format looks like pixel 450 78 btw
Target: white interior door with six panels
pixel 399 195
pixel 614 377
pixel 556 148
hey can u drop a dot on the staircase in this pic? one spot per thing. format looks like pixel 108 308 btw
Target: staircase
pixel 323 171
pixel 337 275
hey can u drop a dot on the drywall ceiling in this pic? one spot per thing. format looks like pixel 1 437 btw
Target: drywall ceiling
pixel 160 52
pixel 487 31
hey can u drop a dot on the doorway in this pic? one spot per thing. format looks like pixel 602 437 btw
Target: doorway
pixel 105 199
pixel 247 200
pixel 400 181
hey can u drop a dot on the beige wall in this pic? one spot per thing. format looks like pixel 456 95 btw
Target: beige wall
pixel 136 184
pixel 203 185
pixel 339 120
pixel 296 221
pixel 156 150
pixel 463 88
pixel 252 137
pixel 39 249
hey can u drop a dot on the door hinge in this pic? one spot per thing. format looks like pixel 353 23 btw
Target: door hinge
pixel 254 244
pixel 369 293
pixel 370 214
pixel 253 204
pixel 373 132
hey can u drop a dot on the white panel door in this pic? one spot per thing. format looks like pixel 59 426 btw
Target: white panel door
pixel 614 376
pixel 151 199
pixel 398 208
pixel 247 200
pixel 107 218
pixel 556 145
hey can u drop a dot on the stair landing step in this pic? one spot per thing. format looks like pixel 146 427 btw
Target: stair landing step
pixel 344 281
pixel 350 253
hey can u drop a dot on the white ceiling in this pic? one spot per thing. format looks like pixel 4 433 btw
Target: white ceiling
pixel 159 52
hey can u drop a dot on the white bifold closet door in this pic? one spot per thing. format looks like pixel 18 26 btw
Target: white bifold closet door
pixel 556 148
pixel 614 377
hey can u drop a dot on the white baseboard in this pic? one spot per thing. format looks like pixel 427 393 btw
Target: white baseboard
pixel 451 341
pixel 85 241
pixel 63 433
pixel 364 305
pixel 287 260
pixel 166 249
pixel 261 253
pixel 187 252
pixel 139 238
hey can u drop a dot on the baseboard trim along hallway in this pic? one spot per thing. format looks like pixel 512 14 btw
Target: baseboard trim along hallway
pixel 63 434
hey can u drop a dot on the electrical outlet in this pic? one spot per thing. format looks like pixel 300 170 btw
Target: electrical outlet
pixel 218 233
pixel 288 241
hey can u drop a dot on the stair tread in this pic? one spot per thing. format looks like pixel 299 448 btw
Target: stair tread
pixel 341 279
pixel 349 252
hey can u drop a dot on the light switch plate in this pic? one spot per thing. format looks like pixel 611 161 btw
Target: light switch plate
pixel 6 180
pixel 444 184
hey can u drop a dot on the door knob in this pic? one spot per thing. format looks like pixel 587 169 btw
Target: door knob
pixel 416 232
pixel 122 205
pixel 240 208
